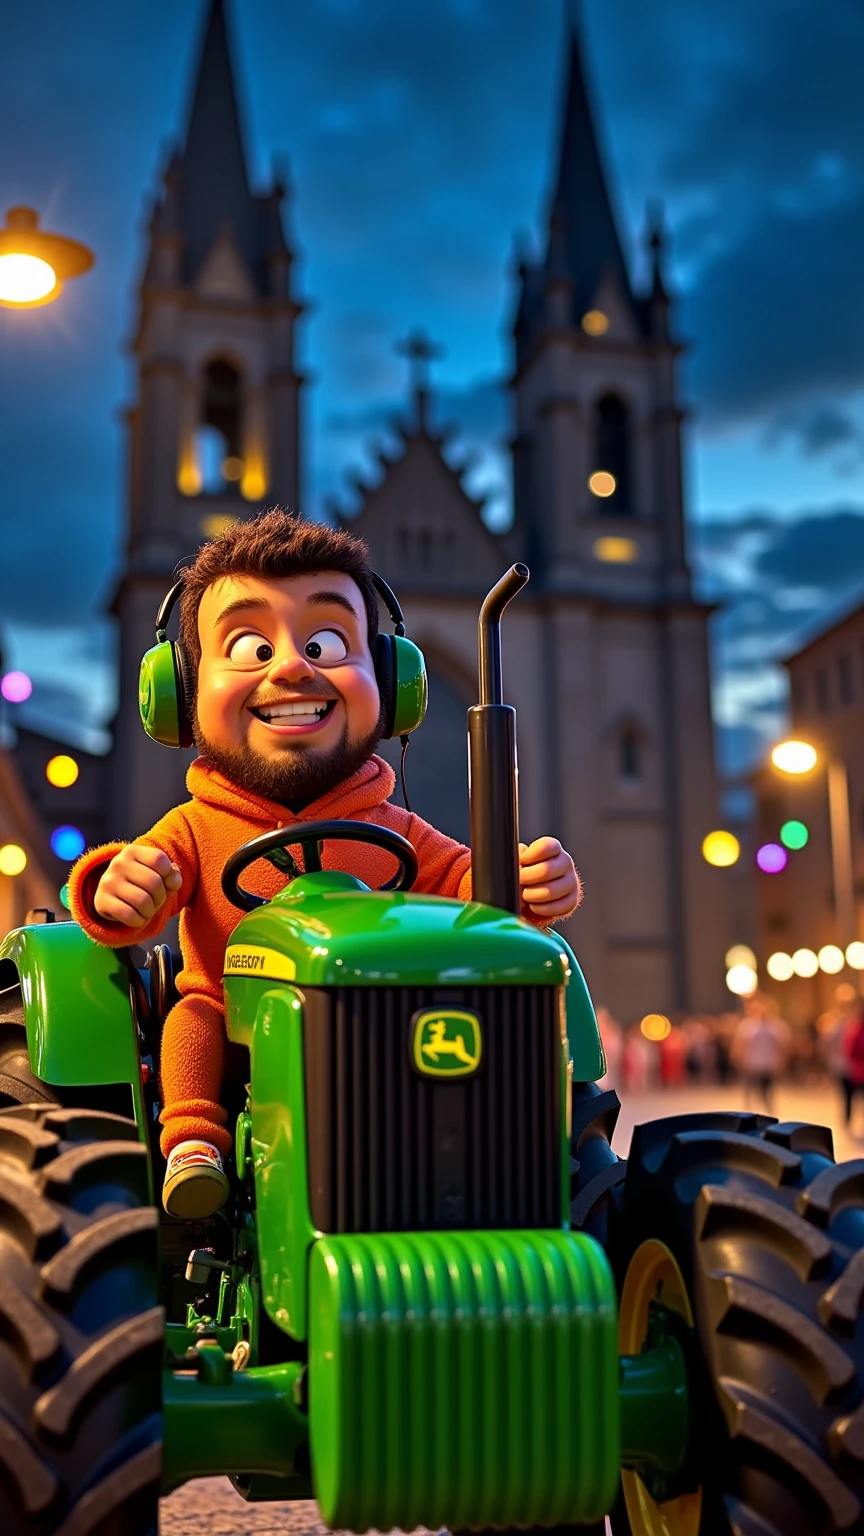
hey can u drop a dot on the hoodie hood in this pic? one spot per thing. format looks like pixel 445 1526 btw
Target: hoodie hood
pixel 371 784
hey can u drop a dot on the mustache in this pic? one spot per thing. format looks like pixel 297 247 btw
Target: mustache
pixel 305 690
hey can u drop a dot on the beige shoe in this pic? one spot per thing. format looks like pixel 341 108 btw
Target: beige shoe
pixel 195 1183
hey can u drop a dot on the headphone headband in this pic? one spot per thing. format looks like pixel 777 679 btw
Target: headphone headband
pixel 165 608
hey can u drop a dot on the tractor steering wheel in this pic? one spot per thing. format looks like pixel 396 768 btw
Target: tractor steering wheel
pixel 308 834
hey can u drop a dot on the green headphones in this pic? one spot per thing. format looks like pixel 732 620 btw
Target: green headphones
pixel 166 687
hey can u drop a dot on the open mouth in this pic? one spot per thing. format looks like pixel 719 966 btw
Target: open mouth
pixel 302 712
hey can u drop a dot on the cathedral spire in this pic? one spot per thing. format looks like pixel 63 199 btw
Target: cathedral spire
pixel 215 194
pixel 581 204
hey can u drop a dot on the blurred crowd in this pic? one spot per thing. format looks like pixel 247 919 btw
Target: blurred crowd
pixel 753 1046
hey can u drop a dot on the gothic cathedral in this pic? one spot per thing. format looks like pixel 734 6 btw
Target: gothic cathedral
pixel 605 653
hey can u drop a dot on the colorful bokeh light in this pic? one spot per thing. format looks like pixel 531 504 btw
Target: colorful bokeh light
pixel 655 1026
pixel 16 687
pixel 794 834
pixel 831 959
pixel 721 849
pixel 855 955
pixel 601 483
pixel 742 980
pixel 804 962
pixel 740 954
pixel 779 966
pixel 13 860
pixel 771 858
pixel 62 771
pixel 67 843
pixel 595 323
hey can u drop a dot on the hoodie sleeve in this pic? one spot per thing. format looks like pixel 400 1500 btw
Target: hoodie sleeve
pixel 173 836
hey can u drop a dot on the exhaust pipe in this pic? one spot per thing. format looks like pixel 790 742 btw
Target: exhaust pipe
pixel 492 786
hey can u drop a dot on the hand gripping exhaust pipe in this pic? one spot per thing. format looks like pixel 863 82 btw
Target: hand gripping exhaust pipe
pixel 492 784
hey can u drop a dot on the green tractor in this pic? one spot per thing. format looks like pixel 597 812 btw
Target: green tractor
pixel 435 1297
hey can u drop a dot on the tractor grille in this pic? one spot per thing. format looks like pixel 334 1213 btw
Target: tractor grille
pixel 392 1151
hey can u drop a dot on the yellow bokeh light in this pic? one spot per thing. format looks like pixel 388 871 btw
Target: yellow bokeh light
pixel 253 485
pixel 655 1026
pixel 62 771
pixel 855 955
pixel 595 323
pixel 831 959
pixel 741 954
pixel 25 279
pixel 601 483
pixel 617 551
pixel 216 523
pixel 741 979
pixel 794 756
pixel 804 962
pixel 721 849
pixel 189 471
pixel 232 467
pixel 13 860
pixel 779 966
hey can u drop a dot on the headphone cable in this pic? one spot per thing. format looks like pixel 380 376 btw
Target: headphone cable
pixel 406 741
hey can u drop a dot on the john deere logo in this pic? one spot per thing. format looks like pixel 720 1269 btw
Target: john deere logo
pixel 447 1042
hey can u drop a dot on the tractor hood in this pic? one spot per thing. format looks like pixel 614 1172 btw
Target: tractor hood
pixel 329 929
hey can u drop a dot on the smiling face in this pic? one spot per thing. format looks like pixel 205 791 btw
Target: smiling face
pixel 287 701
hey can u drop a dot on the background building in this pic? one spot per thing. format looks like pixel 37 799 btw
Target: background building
pixel 797 906
pixel 605 653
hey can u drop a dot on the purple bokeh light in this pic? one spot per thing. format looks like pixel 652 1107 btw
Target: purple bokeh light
pixel 771 858
pixel 16 687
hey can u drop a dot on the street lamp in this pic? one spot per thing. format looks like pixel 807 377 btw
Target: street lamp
pixel 34 265
pixel 799 757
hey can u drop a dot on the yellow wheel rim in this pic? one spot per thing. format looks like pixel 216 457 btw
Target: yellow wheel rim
pixel 653 1275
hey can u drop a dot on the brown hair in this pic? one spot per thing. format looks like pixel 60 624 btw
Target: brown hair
pixel 274 544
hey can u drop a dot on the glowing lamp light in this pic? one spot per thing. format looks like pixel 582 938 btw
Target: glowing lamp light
pixel 595 323
pixel 25 280
pixel 794 756
pixel 655 1026
pixel 855 955
pixel 779 966
pixel 253 484
pixel 13 860
pixel 794 834
pixel 601 483
pixel 232 467
pixel 741 979
pixel 62 771
pixel 617 551
pixel 721 849
pixel 831 959
pixel 804 962
pixel 771 858
pixel 64 897
pixel 67 843
pixel 16 687
pixel 740 954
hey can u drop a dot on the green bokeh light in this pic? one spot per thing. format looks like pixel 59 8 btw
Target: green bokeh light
pixel 64 897
pixel 794 834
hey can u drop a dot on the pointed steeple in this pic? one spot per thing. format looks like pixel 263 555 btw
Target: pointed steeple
pixel 582 214
pixel 215 197
pixel 658 301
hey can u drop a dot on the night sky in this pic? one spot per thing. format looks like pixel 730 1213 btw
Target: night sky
pixel 420 138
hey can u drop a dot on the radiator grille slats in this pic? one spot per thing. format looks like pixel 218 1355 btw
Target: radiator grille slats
pixel 390 1150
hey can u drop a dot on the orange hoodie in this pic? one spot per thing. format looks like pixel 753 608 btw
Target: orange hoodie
pixel 199 837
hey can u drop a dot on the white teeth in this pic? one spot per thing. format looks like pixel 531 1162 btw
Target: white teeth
pixel 301 713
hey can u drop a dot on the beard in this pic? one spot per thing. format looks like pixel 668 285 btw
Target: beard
pixel 297 775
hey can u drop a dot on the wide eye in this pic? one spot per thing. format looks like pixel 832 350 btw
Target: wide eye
pixel 327 647
pixel 250 651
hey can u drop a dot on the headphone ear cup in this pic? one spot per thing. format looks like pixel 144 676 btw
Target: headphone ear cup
pixel 410 688
pixel 185 674
pixel 385 676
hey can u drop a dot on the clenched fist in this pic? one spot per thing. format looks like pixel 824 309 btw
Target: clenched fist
pixel 135 885
pixel 547 875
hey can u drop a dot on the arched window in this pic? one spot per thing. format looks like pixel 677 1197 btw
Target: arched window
pixel 629 755
pixel 612 451
pixel 219 437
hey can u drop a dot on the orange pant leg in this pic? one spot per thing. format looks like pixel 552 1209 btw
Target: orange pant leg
pixel 193 1059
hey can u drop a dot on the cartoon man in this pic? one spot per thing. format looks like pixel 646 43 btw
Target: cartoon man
pixel 279 620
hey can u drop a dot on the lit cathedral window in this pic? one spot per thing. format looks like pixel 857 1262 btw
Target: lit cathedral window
pixel 219 437
pixel 612 454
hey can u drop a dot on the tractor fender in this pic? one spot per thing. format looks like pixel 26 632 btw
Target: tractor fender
pixel 77 1006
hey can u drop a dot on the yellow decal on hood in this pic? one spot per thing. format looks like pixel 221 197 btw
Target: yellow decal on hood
pixel 250 960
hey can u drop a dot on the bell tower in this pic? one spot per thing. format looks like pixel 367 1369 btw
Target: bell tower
pixel 215 430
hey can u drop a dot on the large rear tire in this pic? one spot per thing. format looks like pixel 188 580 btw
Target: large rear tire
pixel 767 1235
pixel 81 1334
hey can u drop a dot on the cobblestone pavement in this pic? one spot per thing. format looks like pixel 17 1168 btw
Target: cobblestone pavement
pixel 210 1507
